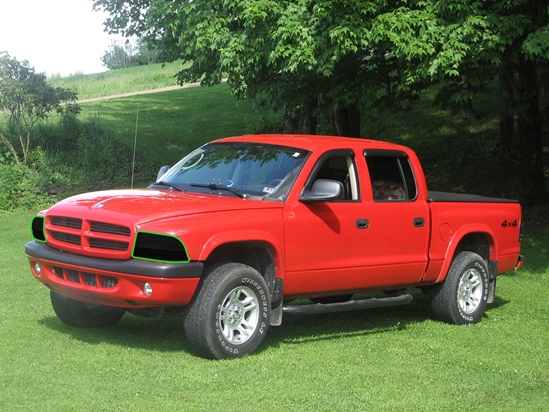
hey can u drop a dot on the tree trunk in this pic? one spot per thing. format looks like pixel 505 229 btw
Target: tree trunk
pixel 347 121
pixel 505 116
pixel 302 121
pixel 530 126
pixel 532 151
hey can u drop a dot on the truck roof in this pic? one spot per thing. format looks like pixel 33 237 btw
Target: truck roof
pixel 313 142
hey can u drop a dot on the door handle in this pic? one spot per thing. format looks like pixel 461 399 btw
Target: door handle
pixel 419 222
pixel 362 224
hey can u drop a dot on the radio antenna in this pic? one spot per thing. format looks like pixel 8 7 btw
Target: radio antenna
pixel 135 142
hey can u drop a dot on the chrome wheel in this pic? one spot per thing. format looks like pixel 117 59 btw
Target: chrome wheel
pixel 470 291
pixel 239 315
pixel 230 315
pixel 462 297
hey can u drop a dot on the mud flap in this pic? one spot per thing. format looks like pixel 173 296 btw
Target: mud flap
pixel 492 277
pixel 276 315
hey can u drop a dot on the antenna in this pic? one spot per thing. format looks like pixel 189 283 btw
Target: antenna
pixel 135 142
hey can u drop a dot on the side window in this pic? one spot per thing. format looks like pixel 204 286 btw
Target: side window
pixel 341 167
pixel 391 176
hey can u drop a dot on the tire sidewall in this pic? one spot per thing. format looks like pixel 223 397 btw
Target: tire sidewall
pixel 202 325
pixel 470 261
pixel 260 290
pixel 84 315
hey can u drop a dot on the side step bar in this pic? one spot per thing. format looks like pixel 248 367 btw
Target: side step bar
pixel 314 309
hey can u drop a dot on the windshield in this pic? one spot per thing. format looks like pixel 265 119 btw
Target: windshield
pixel 236 168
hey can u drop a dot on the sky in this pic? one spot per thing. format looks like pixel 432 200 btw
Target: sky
pixel 58 37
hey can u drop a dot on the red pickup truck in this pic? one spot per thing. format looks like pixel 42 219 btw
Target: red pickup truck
pixel 242 226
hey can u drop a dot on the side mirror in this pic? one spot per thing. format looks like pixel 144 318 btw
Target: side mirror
pixel 323 190
pixel 162 172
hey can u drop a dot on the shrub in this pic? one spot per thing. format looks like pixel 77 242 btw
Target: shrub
pixel 20 188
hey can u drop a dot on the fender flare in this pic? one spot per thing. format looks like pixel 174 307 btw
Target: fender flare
pixel 456 239
pixel 243 236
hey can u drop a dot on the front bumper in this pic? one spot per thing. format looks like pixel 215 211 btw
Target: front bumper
pixel 112 282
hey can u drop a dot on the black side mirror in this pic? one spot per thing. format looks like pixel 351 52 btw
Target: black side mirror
pixel 162 171
pixel 322 190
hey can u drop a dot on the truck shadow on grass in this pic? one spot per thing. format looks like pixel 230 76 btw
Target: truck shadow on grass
pixel 167 335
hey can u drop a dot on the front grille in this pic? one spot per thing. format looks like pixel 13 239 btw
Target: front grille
pixel 109 238
pixel 90 279
pixel 85 278
pixel 108 244
pixel 66 237
pixel 73 275
pixel 110 229
pixel 69 222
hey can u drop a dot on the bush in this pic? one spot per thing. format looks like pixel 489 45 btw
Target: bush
pixel 69 157
pixel 101 160
pixel 20 188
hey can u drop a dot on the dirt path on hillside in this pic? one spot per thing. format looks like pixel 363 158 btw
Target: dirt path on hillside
pixel 117 96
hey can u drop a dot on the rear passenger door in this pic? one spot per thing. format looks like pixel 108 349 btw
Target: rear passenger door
pixel 399 221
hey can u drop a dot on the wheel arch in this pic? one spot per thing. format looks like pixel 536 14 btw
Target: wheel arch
pixel 477 238
pixel 254 251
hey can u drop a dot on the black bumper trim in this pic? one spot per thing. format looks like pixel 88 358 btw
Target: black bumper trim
pixel 42 251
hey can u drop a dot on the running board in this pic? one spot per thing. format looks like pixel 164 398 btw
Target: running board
pixel 348 306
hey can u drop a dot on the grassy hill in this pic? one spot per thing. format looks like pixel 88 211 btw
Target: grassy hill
pixel 121 81
pixel 459 151
pixel 172 123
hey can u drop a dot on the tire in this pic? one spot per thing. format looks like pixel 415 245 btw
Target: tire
pixel 84 315
pixel 461 299
pixel 230 315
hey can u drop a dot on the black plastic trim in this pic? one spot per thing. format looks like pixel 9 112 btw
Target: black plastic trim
pixel 140 267
pixel 458 197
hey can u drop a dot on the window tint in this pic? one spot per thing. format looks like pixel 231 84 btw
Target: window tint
pixel 341 167
pixel 391 176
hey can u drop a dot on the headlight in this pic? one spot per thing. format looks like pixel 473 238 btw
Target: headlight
pixel 159 247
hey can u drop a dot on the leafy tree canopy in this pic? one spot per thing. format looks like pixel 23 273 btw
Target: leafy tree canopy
pixel 27 98
pixel 129 54
pixel 299 55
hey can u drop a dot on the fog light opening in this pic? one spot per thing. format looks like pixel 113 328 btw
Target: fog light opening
pixel 147 289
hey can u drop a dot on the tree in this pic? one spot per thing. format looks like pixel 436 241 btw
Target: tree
pixel 27 98
pixel 304 55
pixel 286 53
pixel 129 55
pixel 118 57
pixel 447 41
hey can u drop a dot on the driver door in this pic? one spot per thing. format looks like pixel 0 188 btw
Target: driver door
pixel 327 242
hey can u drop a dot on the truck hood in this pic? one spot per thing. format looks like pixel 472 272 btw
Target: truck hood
pixel 146 205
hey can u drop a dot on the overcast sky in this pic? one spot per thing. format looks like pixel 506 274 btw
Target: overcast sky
pixel 56 36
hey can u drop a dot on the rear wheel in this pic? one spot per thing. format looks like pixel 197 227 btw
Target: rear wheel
pixel 462 297
pixel 84 315
pixel 230 316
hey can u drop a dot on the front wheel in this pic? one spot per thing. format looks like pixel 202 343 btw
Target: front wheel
pixel 84 315
pixel 462 297
pixel 230 316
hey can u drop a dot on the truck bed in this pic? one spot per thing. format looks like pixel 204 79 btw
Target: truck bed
pixel 461 197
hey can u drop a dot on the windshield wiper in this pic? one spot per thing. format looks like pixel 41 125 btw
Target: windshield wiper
pixel 213 186
pixel 162 183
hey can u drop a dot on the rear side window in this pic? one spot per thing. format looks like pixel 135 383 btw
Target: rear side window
pixel 391 175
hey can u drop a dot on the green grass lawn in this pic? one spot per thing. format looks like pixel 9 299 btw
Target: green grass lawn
pixel 393 359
